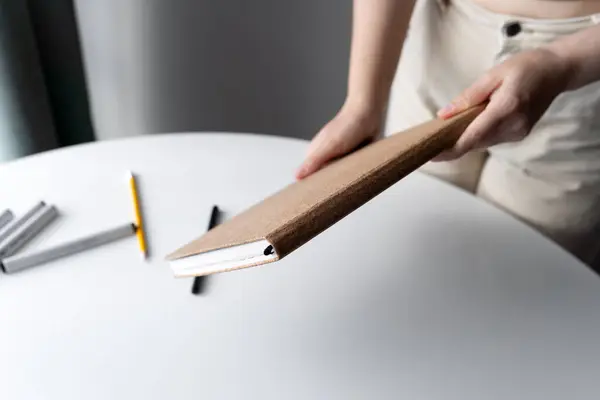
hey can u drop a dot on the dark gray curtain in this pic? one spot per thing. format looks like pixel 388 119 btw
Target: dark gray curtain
pixel 43 95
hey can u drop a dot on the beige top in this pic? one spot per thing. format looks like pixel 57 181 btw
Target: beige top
pixel 545 9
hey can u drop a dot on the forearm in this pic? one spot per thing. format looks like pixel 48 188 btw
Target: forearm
pixel 378 31
pixel 582 52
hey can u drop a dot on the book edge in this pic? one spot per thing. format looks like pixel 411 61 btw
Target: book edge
pixel 251 259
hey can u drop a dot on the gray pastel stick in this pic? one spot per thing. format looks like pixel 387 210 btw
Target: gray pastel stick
pixel 5 217
pixel 27 231
pixel 23 261
pixel 14 225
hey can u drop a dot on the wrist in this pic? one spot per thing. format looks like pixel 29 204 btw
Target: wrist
pixel 569 65
pixel 362 114
pixel 365 106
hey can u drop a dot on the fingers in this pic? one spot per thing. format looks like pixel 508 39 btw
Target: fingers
pixel 325 147
pixel 478 93
pixel 322 149
pixel 497 123
pixel 512 129
pixel 350 128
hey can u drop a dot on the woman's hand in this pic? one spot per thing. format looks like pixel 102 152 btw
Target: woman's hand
pixel 378 32
pixel 519 92
pixel 352 126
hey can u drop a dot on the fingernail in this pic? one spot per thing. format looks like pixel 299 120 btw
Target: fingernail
pixel 301 173
pixel 449 109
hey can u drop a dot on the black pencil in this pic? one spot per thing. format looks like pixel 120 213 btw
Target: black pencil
pixel 200 281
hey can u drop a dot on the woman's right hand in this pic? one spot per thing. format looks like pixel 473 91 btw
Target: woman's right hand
pixel 351 127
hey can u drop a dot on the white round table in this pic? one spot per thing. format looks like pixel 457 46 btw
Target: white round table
pixel 424 293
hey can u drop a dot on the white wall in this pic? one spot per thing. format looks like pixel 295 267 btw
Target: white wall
pixel 268 66
pixel 113 48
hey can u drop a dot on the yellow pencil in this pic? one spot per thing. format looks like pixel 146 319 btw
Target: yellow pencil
pixel 138 216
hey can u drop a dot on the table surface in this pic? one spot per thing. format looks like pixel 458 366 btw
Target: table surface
pixel 423 293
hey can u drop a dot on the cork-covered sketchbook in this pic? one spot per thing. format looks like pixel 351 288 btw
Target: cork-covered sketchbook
pixel 278 225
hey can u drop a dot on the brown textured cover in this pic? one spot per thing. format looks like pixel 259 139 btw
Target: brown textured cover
pixel 302 210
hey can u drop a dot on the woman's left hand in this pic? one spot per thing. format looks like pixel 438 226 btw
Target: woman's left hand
pixel 519 92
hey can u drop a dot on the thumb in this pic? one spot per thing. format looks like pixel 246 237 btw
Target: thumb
pixel 476 94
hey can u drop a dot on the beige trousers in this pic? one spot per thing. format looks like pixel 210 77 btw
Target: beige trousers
pixel 550 180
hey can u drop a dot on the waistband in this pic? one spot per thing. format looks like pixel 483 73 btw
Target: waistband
pixel 484 16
